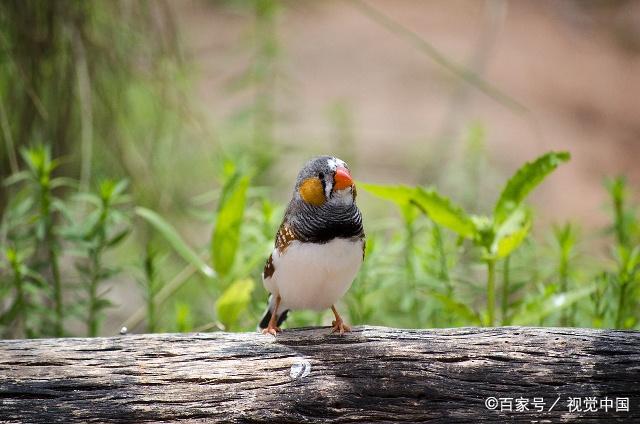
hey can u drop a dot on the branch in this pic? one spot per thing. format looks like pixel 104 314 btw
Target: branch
pixel 373 374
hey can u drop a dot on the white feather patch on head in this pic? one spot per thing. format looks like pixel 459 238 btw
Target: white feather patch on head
pixel 334 163
pixel 342 196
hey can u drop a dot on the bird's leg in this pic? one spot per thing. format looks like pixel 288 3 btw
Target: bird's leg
pixel 272 328
pixel 338 325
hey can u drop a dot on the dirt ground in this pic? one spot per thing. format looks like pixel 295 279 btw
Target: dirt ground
pixel 575 66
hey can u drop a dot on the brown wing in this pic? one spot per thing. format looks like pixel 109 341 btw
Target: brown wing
pixel 284 237
pixel 268 270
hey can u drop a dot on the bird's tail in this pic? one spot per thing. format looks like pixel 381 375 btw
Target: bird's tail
pixel 264 322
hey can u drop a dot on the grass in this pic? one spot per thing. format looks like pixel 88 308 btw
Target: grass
pixel 420 269
pixel 104 229
pixel 193 226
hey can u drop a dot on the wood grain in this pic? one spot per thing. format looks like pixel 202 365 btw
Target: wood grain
pixel 373 374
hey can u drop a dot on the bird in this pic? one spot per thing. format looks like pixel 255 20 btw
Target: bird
pixel 319 246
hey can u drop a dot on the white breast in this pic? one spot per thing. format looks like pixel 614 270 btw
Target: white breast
pixel 314 276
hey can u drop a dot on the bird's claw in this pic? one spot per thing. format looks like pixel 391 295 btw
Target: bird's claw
pixel 271 330
pixel 338 326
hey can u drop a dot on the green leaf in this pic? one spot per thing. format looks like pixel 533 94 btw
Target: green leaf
pixel 508 244
pixel 103 304
pixel 444 212
pixel 510 235
pixel 549 304
pixel 456 308
pixel 90 198
pixel 174 239
pixel 440 209
pixel 118 237
pixel 12 255
pixel 566 237
pixel 524 180
pixel 398 194
pixel 16 178
pixel 234 300
pixel 226 234
pixel 183 319
pixel 63 182
pixel 120 187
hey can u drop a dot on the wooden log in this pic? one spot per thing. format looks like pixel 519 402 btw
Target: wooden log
pixel 373 374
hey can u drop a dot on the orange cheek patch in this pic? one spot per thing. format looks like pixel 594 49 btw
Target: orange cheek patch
pixel 311 191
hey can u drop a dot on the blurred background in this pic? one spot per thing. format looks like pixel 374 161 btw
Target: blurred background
pixel 130 127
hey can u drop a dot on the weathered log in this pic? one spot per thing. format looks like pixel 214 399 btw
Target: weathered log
pixel 373 374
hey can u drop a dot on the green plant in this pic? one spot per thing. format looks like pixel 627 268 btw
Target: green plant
pixel 151 283
pixel 40 213
pixel 104 228
pixel 623 219
pixel 253 125
pixel 360 308
pixel 90 78
pixel 498 236
pixel 170 234
pixel 598 299
pixel 183 318
pixel 226 234
pixel 26 285
pixel 627 277
pixel 43 229
pixel 224 245
pixel 565 237
pixel 233 302
pixel 506 290
pixel 626 253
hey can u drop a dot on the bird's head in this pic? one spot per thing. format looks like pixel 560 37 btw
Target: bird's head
pixel 325 180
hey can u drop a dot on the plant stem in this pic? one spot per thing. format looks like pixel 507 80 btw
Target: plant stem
pixel 621 304
pixel 57 290
pixel 408 250
pixel 151 313
pixel 596 297
pixel 467 75
pixel 20 299
pixel 408 265
pixel 491 291
pixel 618 207
pixel 443 271
pixel 505 291
pixel 563 287
pixel 92 321
pixel 50 242
pixel 150 281
pixel 8 138
pixel 96 269
pixel 163 294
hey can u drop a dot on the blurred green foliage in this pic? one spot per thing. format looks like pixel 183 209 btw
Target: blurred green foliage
pixel 115 188
pixel 498 236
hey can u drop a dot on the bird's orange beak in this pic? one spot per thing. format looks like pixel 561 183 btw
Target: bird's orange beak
pixel 342 179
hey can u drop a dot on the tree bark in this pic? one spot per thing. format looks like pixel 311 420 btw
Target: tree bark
pixel 373 374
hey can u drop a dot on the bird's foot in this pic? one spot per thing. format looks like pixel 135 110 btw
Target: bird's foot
pixel 338 326
pixel 271 329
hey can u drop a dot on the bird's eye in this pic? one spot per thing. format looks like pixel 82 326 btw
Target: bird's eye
pixel 321 175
